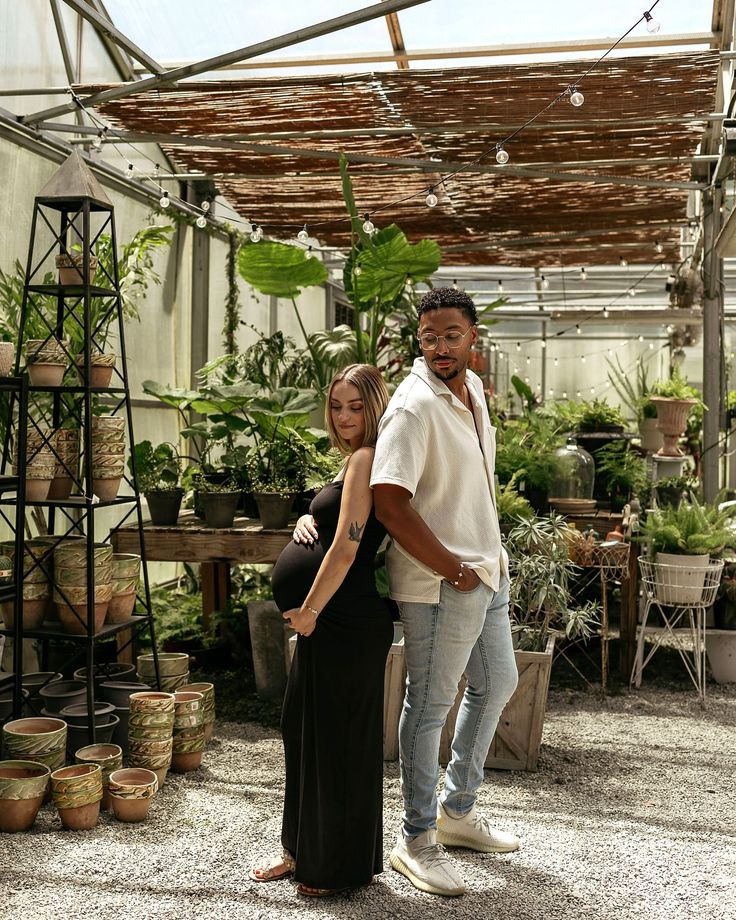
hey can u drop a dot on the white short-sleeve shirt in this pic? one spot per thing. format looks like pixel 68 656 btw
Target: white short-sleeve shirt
pixel 429 443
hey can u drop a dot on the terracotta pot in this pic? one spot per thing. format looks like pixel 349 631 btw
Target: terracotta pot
pixel 67 463
pixel 208 705
pixel 109 757
pixel 121 607
pixel 34 612
pixel 106 489
pixel 77 793
pixel 101 368
pixel 37 490
pixel 170 664
pixel 77 714
pixel 46 375
pixel 150 726
pixel 131 791
pixel 33 738
pixel 74 617
pixel 152 701
pixel 70 563
pixel 71 268
pixel 23 785
pixel 167 684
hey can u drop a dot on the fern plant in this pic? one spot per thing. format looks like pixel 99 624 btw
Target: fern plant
pixel 690 529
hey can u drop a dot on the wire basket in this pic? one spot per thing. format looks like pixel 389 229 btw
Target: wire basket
pixel 687 585
pixel 613 560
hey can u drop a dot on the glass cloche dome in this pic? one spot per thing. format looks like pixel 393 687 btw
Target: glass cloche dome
pixel 574 472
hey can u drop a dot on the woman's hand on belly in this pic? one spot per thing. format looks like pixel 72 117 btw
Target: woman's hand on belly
pixel 302 620
pixel 305 530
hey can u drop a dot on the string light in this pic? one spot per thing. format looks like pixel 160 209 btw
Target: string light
pixel 578 394
pixel 302 235
pixel 206 204
pixel 518 346
pixel 309 254
pixel 651 346
pixel 502 156
pixel 201 221
pixel 357 270
pixel 544 283
pixel 564 394
pixel 622 262
pixel 551 392
pixel 605 313
pixel 543 343
pixel 583 359
pixel 632 292
pixel 557 361
pixel 583 275
pixel 578 330
pixel 659 248
pixel 97 142
pixel 592 390
pixel 130 169
pixel 641 338
pixel 576 97
pixel 431 199
pixel 256 235
pixel 164 200
pixel 368 225
pixel 454 285
pixel 500 286
pixel 652 25
pixel 528 360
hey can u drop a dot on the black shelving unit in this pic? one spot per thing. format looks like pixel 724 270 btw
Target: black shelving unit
pixel 71 211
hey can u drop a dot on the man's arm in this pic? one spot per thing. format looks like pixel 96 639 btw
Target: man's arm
pixel 394 510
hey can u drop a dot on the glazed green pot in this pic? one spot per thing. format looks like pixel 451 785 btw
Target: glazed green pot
pixel 132 791
pixel 150 726
pixel 23 785
pixel 34 738
pixel 151 701
pixel 208 705
pixel 109 757
pixel 170 664
pixel 77 793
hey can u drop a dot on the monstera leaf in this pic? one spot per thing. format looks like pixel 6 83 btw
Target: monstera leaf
pixel 278 269
pixel 389 261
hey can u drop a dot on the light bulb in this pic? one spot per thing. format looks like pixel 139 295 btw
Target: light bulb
pixel 309 254
pixel 578 329
pixel 516 370
pixel 578 394
pixel 164 201
pixel 502 156
pixel 659 248
pixel 545 284
pixel 610 352
pixel 622 262
pixel 641 338
pixel 357 270
pixel 576 97
pixel 583 275
pixel 651 346
pixel 583 359
pixel 543 343
pixel 632 292
pixel 500 287
pixel 551 392
pixel 592 390
pixel 431 199
pixel 500 355
pixel 526 380
pixel 368 225
pixel 409 282
pixel 528 360
pixel 556 362
pixel 652 25
pixel 518 346
pixel 201 221
pixel 97 142
pixel 454 286
pixel 302 235
pixel 256 235
pixel 564 394
pixel 206 204
pixel 605 313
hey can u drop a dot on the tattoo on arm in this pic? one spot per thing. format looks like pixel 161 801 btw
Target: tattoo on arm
pixel 355 532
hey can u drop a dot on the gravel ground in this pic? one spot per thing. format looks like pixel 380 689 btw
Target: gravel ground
pixel 631 815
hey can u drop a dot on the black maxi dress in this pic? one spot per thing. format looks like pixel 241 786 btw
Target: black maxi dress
pixel 332 720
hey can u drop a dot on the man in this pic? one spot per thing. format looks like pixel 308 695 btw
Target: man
pixel 433 486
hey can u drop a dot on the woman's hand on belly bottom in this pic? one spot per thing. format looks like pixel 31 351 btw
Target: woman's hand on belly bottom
pixel 302 620
pixel 305 530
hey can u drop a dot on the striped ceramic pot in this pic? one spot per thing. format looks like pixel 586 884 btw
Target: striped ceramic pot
pixel 208 705
pixel 152 755
pixel 108 757
pixel 23 785
pixel 132 791
pixel 170 664
pixel 77 793
pixel 39 739
pixel 188 732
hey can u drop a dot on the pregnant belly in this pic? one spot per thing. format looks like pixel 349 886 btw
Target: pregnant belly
pixel 294 573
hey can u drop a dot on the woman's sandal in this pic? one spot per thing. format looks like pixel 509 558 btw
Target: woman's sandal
pixel 310 892
pixel 270 873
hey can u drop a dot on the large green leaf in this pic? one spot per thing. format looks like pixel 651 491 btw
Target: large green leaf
pixel 335 348
pixel 279 269
pixel 285 408
pixel 223 400
pixel 177 397
pixel 390 260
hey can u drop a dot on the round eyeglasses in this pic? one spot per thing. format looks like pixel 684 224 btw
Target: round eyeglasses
pixel 428 341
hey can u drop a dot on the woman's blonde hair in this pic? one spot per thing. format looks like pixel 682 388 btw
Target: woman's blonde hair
pixel 370 384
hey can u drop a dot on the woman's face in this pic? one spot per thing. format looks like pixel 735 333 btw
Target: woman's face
pixel 346 410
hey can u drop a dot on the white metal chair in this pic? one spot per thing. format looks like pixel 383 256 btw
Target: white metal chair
pixel 681 595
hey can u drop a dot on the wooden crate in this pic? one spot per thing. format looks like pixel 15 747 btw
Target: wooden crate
pixel 516 743
pixel 393 691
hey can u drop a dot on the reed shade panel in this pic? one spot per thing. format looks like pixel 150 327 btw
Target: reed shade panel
pixel 643 107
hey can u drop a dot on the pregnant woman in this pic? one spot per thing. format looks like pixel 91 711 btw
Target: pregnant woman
pixel 332 721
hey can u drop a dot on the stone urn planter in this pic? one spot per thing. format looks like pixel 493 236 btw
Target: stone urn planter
pixel 108 757
pixel 651 437
pixel 100 371
pixel 126 569
pixel 671 421
pixel 7 358
pixel 66 467
pixel 131 792
pixel 273 509
pixel 36 738
pixel 71 268
pixel 208 705
pixel 77 792
pixel 46 361
pixel 188 731
pixel 23 786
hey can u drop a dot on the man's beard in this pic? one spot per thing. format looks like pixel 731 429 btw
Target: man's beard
pixel 449 374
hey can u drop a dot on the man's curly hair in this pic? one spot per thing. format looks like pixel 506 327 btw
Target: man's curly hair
pixel 440 298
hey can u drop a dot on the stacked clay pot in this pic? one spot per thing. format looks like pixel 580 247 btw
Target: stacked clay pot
pixel 7 358
pixel 36 738
pixel 108 455
pixel 77 793
pixel 208 705
pixel 108 757
pixel 126 569
pixel 36 588
pixel 173 669
pixel 188 731
pixel 70 585
pixel 150 728
pixel 118 692
pixel 66 465
pixel 23 785
pixel 46 361
pixel 131 792
pixel 40 463
pixel 100 371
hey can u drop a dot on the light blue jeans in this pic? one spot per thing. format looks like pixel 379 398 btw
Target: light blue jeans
pixel 465 633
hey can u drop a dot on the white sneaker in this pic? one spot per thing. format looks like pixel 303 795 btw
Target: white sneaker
pixel 426 864
pixel 473 831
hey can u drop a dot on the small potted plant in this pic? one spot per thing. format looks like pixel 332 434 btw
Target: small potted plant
pixel 674 399
pixel 670 490
pixel 276 469
pixel 218 500
pixel 158 470
pixel 620 472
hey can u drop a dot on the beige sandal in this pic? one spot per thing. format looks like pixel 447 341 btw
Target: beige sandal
pixel 270 872
pixel 310 892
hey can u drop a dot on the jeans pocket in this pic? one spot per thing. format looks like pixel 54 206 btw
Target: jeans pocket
pixel 463 593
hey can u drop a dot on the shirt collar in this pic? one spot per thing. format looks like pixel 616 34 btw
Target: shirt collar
pixel 434 383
